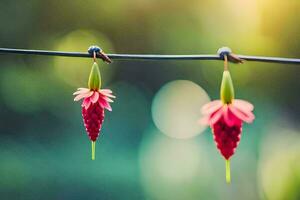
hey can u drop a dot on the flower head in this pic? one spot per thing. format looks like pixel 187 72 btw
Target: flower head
pixel 226 117
pixel 95 101
pixel 226 122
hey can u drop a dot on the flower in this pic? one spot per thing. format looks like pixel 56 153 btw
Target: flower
pixel 93 107
pixel 226 117
pixel 226 122
pixel 95 101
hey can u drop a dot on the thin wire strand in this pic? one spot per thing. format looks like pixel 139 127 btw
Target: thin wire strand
pixel 148 56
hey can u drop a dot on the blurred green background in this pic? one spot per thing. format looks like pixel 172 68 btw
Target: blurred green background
pixel 151 146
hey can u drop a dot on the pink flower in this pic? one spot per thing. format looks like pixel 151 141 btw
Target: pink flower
pixel 226 122
pixel 226 117
pixel 95 101
pixel 93 105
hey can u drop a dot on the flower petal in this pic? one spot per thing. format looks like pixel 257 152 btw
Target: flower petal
pixel 78 97
pixel 94 97
pixel 107 99
pixel 110 95
pixel 229 118
pixel 226 116
pixel 108 107
pixel 86 103
pixel 81 92
pixel 243 105
pixel 204 120
pixel 77 92
pixel 244 116
pixel 107 92
pixel 214 118
pixel 83 95
pixel 211 107
pixel 104 104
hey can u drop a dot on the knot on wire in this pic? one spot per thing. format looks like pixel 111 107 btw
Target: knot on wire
pixel 93 49
pixel 226 51
pixel 96 51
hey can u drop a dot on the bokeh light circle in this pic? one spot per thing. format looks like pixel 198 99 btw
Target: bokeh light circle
pixel 174 169
pixel 21 89
pixel 279 168
pixel 74 71
pixel 176 109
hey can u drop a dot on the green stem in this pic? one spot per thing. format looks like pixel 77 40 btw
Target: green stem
pixel 228 178
pixel 93 150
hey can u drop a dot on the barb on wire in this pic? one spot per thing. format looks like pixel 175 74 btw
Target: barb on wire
pixel 151 56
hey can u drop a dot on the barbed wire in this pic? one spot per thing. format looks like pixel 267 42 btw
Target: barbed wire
pixel 148 56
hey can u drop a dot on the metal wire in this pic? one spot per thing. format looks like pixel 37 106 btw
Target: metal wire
pixel 148 56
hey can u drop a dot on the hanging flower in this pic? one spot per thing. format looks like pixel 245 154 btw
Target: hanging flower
pixel 95 101
pixel 226 117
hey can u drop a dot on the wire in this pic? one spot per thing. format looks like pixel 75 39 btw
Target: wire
pixel 148 56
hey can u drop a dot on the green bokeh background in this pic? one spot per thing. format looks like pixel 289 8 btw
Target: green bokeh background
pixel 44 151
